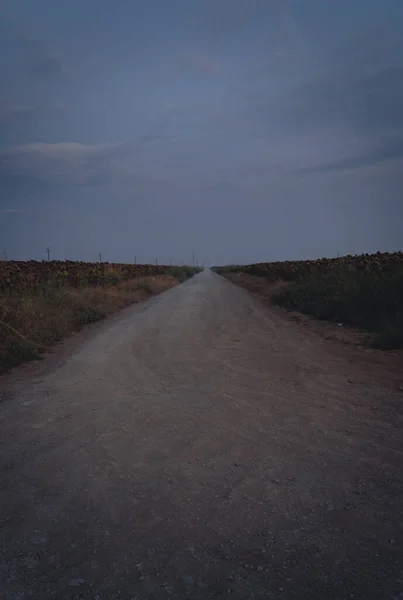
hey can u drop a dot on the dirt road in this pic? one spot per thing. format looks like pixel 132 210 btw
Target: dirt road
pixel 202 445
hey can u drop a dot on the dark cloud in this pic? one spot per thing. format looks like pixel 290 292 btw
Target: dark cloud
pixel 390 150
pixel 355 92
pixel 30 55
pixel 362 89
pixel 364 103
pixel 201 64
pixel 11 114
pixel 43 64
pixel 219 115
pixel 224 18
pixel 63 163
pixel 377 100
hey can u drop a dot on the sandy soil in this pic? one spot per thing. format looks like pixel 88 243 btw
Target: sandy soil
pixel 203 445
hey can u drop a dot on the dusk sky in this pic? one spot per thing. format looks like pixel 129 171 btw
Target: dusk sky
pixel 241 130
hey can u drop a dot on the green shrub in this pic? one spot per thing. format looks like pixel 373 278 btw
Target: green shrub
pixel 183 273
pixel 16 351
pixel 146 287
pixel 390 337
pixel 85 315
pixel 372 300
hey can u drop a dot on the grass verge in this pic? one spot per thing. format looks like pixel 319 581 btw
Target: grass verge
pixel 32 320
pixel 371 300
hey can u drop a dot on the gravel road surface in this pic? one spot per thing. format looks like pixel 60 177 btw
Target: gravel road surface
pixel 202 445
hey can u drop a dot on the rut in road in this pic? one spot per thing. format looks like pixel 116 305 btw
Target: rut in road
pixel 201 445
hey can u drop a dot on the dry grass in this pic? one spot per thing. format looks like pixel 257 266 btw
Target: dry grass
pixel 31 322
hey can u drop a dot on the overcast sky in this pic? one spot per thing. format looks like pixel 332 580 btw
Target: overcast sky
pixel 241 130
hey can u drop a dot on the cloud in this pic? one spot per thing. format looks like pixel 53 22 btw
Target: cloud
pixel 225 18
pixel 390 150
pixel 65 163
pixel 363 102
pixel 31 55
pixel 9 211
pixel 202 64
pixel 192 64
pixel 15 116
pixel 12 113
pixel 338 111
pixel 360 85
pixel 376 100
pixel 151 157
pixel 41 62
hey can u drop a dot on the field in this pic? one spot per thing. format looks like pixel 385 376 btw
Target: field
pixel 26 275
pixel 43 302
pixel 364 291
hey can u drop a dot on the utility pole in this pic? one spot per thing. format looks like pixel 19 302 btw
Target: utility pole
pixel 48 249
pixel 135 260
pixel 156 261
pixel 5 254
pixel 100 257
pixel 193 259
